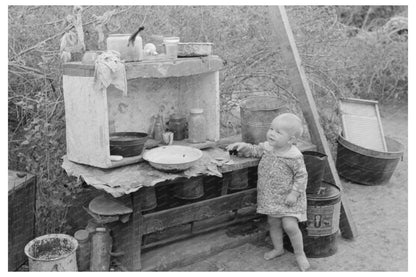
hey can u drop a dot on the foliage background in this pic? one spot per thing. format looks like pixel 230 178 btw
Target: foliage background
pixel 347 51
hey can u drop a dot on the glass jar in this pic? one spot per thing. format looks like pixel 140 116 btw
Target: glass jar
pixel 177 124
pixel 197 126
pixel 119 43
pixel 100 250
pixel 83 250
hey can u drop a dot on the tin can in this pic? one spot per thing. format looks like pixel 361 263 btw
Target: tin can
pixel 177 124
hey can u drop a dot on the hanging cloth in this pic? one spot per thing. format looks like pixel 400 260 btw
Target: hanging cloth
pixel 110 70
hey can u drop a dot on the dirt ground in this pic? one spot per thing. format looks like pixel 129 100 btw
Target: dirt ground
pixel 379 212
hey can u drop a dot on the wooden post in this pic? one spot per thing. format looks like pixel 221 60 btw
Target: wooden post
pixel 129 237
pixel 290 55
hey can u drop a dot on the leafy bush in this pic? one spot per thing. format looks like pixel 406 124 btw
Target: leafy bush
pixel 365 63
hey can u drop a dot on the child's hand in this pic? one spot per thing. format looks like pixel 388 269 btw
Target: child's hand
pixel 238 146
pixel 291 198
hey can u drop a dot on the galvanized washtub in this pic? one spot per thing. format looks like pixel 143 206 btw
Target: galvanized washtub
pixel 256 114
pixel 366 166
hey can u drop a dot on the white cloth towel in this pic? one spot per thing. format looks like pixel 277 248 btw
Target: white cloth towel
pixel 109 69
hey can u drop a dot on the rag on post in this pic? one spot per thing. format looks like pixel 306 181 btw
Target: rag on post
pixel 110 70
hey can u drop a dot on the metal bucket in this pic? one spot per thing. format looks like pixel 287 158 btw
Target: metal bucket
pixel 315 163
pixel 192 189
pixel 256 115
pixel 53 252
pixel 365 166
pixel 237 180
pixel 320 230
pixel 148 199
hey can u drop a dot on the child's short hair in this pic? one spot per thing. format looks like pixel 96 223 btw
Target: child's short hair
pixel 295 126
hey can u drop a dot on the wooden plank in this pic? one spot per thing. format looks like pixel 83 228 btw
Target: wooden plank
pixel 134 255
pixel 216 224
pixel 241 162
pixel 154 69
pixel 300 85
pixel 197 211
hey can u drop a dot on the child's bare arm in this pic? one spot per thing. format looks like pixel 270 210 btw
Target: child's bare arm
pixel 246 149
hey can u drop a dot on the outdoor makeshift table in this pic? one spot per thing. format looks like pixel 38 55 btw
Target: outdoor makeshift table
pixel 191 218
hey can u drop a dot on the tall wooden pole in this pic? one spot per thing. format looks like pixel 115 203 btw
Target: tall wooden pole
pixel 297 76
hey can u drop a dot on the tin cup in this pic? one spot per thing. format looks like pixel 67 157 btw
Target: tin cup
pixel 167 138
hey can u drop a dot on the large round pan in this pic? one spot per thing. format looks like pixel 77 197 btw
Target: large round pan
pixel 172 157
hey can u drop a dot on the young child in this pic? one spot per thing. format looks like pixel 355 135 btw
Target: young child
pixel 281 185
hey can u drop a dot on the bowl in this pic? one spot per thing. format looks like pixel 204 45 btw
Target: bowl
pixel 172 157
pixel 127 144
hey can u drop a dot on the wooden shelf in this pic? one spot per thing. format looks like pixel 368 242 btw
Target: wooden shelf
pixel 154 68
pixel 241 163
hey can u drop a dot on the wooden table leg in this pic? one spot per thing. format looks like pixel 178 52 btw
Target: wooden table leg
pixel 129 237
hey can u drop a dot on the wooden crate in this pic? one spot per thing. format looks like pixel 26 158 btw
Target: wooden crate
pixel 22 205
pixel 167 86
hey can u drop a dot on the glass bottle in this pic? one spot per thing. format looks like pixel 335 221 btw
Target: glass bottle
pixel 197 126
pixel 158 128
pixel 83 250
pixel 100 251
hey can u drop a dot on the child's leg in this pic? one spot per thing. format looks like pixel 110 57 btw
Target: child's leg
pixel 276 234
pixel 291 227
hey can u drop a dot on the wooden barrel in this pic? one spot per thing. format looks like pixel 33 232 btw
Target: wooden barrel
pixel 320 230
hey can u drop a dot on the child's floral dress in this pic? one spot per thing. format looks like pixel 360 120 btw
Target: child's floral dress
pixel 278 175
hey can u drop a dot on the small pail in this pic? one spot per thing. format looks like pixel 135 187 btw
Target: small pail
pixel 191 189
pixel 53 252
pixel 237 180
pixel 320 230
pixel 315 163
pixel 365 166
pixel 256 115
pixel 147 198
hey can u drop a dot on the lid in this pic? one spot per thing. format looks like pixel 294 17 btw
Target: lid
pixel 106 205
pixel 197 110
pixel 326 191
pixel 81 235
pixel 171 39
